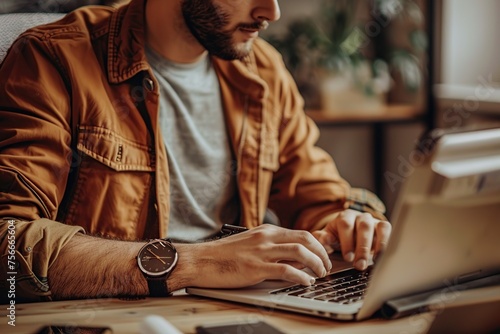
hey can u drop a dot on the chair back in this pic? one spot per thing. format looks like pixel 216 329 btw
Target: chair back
pixel 12 25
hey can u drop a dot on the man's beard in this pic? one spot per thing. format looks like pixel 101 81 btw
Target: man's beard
pixel 206 22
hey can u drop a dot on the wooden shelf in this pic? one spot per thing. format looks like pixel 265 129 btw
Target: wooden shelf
pixel 387 114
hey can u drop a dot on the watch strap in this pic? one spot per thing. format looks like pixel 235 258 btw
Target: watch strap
pixel 158 287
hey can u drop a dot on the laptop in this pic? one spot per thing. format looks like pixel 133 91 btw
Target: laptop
pixel 446 230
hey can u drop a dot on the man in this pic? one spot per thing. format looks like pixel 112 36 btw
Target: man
pixel 165 118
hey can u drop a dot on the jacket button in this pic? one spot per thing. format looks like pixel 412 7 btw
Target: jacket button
pixel 148 84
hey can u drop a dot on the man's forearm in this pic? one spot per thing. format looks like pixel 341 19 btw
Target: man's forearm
pixel 89 267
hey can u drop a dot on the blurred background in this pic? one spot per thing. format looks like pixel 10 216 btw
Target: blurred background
pixel 377 74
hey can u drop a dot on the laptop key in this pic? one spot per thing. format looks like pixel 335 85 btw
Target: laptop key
pixel 289 289
pixel 314 294
pixel 304 290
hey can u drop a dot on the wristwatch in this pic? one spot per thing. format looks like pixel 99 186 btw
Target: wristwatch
pixel 156 260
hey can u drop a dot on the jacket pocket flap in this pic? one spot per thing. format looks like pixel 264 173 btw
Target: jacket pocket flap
pixel 115 151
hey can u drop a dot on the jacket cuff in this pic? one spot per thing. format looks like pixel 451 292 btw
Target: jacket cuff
pixel 28 250
pixel 360 199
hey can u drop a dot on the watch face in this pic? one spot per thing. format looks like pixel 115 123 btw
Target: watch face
pixel 157 258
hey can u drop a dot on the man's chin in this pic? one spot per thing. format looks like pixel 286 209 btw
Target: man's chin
pixel 238 52
pixel 244 49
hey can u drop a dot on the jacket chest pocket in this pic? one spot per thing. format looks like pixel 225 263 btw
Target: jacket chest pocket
pixel 114 151
pixel 112 189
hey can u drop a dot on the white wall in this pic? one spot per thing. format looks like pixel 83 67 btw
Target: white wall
pixel 469 90
pixel 470 41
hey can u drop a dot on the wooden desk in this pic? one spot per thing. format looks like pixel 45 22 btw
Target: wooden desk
pixel 186 312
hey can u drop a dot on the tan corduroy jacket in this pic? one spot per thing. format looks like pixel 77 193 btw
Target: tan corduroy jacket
pixel 81 150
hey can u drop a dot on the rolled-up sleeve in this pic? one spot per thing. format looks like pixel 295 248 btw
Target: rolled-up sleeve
pixel 28 250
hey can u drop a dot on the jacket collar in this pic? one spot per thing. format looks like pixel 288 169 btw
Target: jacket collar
pixel 243 76
pixel 126 55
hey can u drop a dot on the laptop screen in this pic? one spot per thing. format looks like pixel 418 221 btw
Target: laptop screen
pixel 446 220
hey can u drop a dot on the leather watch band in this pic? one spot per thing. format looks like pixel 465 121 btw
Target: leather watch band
pixel 158 287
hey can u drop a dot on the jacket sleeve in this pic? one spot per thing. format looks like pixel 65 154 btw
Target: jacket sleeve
pixel 307 190
pixel 28 251
pixel 35 159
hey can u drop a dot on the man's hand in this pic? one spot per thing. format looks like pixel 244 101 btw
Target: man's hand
pixel 358 235
pixel 265 252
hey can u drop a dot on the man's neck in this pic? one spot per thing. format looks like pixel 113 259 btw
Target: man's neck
pixel 167 33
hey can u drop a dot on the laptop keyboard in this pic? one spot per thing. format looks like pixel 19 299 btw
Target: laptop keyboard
pixel 345 287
